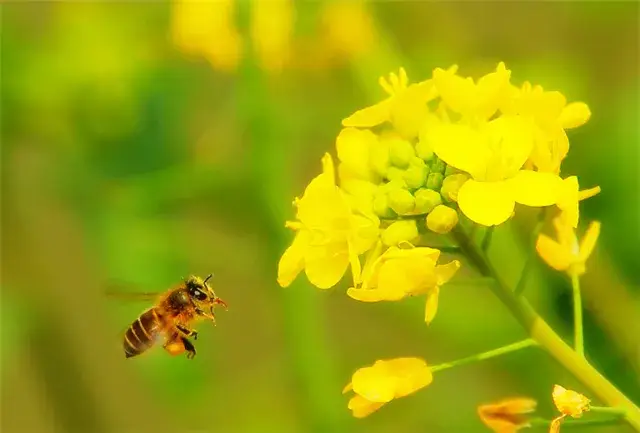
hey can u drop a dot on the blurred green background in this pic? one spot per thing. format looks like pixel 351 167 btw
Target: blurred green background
pixel 139 146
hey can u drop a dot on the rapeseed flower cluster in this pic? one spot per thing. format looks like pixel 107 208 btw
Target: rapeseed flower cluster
pixel 412 166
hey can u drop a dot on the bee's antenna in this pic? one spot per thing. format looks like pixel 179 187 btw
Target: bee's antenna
pixel 207 279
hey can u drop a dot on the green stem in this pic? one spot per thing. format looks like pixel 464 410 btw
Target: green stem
pixel 577 315
pixel 526 269
pixel 547 338
pixel 541 422
pixel 619 412
pixel 485 355
pixel 486 241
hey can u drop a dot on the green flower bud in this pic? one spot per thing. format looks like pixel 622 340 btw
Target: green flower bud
pixel 379 157
pixel 451 185
pixel 426 200
pixel 400 152
pixel 395 173
pixel 381 206
pixel 400 231
pixel 424 150
pixel 434 181
pixel 416 175
pixel 442 219
pixel 438 166
pixel 401 201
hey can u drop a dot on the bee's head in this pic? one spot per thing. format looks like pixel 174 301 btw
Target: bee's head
pixel 201 293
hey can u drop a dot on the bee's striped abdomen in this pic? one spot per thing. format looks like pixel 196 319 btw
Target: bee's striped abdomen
pixel 142 333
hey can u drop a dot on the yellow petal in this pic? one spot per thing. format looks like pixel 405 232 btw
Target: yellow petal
pixel 292 261
pixel 373 386
pixel 373 294
pixel 553 253
pixel 570 402
pixel 361 407
pixel 486 203
pixel 370 116
pixel 532 188
pixel 507 416
pixel 445 272
pixel 574 115
pixel 432 304
pixel 326 264
pixel 589 240
pixel 412 374
pixel 508 141
pixel 457 92
pixel 353 147
pixel 397 278
pixel 459 146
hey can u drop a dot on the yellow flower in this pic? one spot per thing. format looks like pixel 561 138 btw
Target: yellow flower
pixel 384 381
pixel 271 31
pixel 552 117
pixel 570 196
pixel 493 153
pixel 399 273
pixel 329 237
pixel 349 30
pixel 566 254
pixel 472 100
pixel 507 416
pixel 207 29
pixel 406 106
pixel 568 403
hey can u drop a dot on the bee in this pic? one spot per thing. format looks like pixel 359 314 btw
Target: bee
pixel 171 318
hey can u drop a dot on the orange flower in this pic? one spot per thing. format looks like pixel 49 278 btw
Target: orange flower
pixel 507 416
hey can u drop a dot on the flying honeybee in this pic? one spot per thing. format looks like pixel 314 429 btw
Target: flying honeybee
pixel 171 317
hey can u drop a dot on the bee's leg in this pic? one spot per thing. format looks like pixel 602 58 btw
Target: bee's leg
pixel 189 347
pixel 188 332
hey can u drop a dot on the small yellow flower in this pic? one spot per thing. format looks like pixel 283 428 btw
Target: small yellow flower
pixel 566 254
pixel 385 381
pixel 568 403
pixel 570 196
pixel 405 108
pixel 402 272
pixel 552 116
pixel 330 235
pixel 207 29
pixel 473 100
pixel 507 416
pixel 493 153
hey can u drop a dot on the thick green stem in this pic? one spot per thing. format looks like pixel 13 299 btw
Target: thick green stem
pixel 547 338
pixel 485 355
pixel 577 315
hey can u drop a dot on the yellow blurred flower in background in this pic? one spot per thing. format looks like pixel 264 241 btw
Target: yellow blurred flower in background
pixel 566 254
pixel 330 236
pixel 207 29
pixel 508 415
pixel 402 272
pixel 385 381
pixel 271 32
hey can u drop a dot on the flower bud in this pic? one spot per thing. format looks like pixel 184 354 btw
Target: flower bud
pixel 426 200
pixel 395 173
pixel 438 166
pixel 400 231
pixel 416 175
pixel 434 181
pixel 442 219
pixel 379 157
pixel 400 152
pixel 381 206
pixel 401 201
pixel 424 150
pixel 451 185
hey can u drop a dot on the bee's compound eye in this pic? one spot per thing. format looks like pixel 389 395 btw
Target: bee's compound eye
pixel 199 295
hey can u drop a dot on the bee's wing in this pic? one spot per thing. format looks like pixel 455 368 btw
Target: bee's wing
pixel 120 292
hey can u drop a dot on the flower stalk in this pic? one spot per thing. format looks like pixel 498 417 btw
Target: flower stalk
pixel 577 315
pixel 485 355
pixel 547 338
